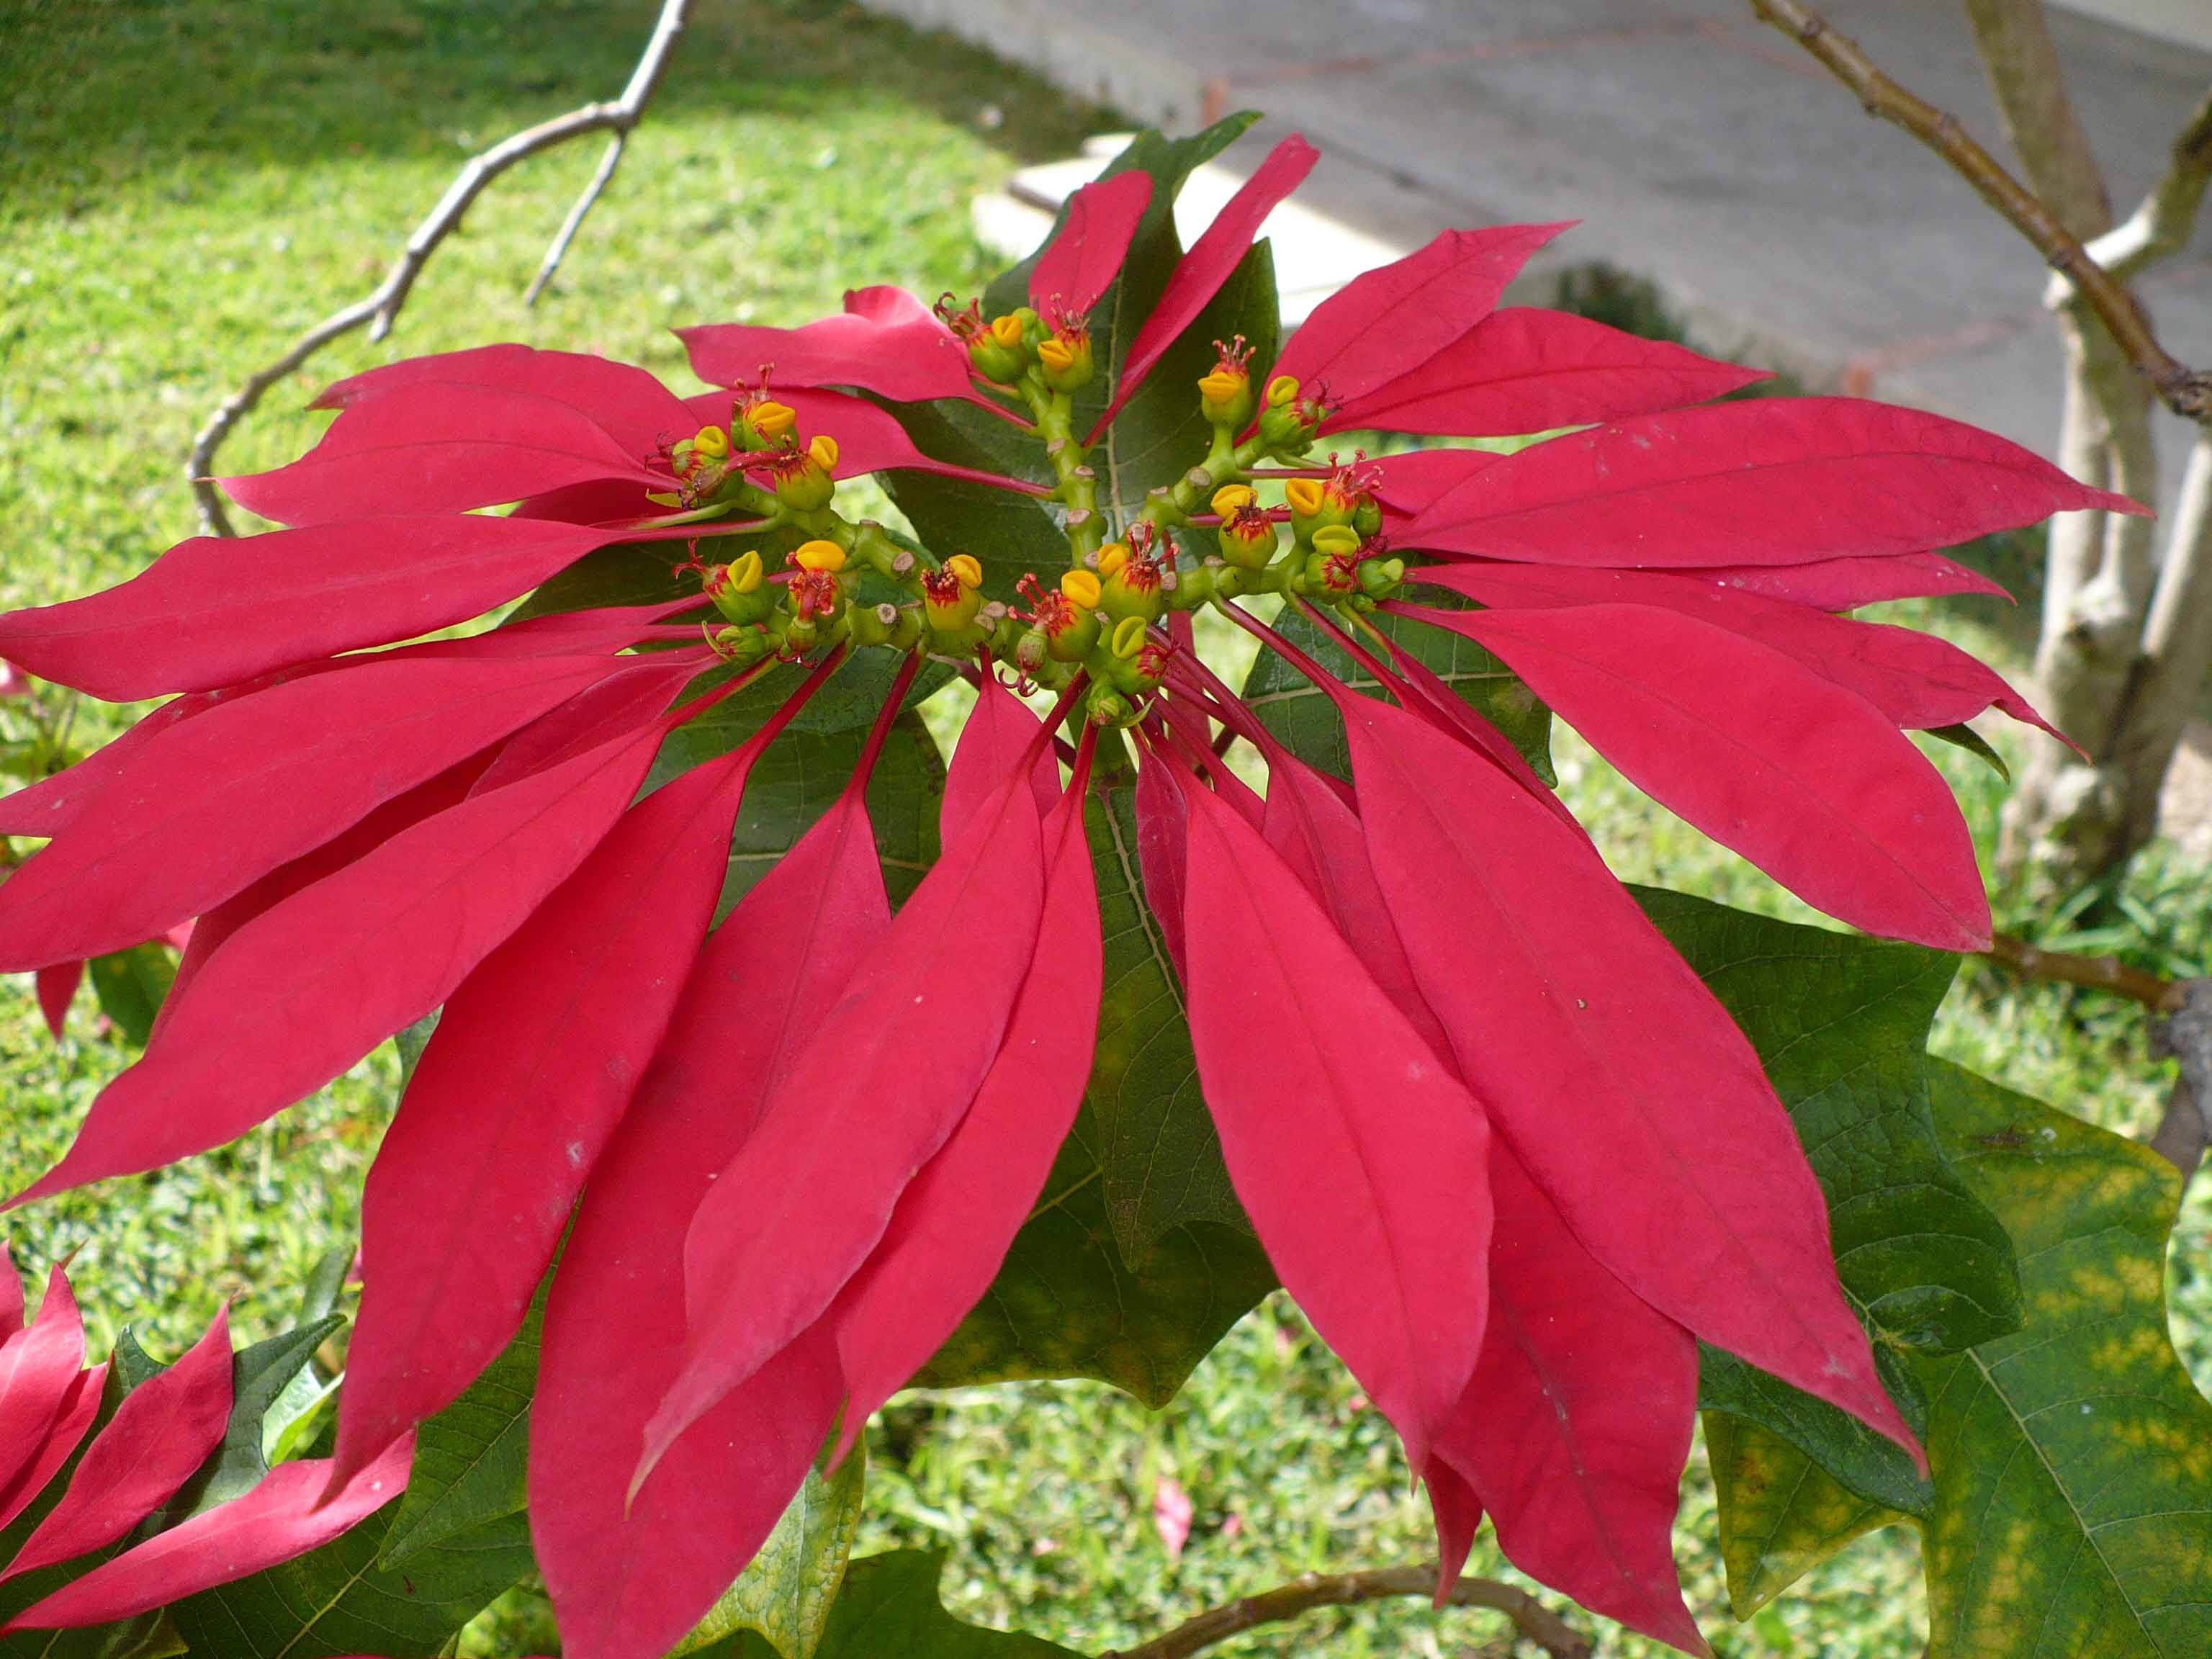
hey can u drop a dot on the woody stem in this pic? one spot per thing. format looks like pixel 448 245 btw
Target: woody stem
pixel 1532 1620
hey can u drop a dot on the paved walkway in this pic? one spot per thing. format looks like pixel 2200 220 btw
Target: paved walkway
pixel 1702 151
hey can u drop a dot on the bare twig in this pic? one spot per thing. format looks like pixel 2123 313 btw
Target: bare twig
pixel 2185 391
pixel 380 306
pixel 2098 973
pixel 1531 1619
pixel 556 253
pixel 2160 227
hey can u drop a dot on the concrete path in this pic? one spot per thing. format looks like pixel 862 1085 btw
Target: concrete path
pixel 1703 152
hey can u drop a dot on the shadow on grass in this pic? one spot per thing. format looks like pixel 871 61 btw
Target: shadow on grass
pixel 99 93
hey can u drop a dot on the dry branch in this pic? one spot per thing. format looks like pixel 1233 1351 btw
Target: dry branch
pixel 1532 1620
pixel 2185 391
pixel 2160 227
pixel 2097 973
pixel 381 305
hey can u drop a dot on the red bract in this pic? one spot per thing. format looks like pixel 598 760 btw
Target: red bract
pixel 886 341
pixel 1523 370
pixel 1595 1048
pixel 1501 1144
pixel 56 988
pixel 1396 321
pixel 1199 275
pixel 212 612
pixel 530 1069
pixel 1296 1046
pixel 880 1085
pixel 1774 481
pixel 630 1572
pixel 283 1517
pixel 38 1366
pixel 1804 777
pixel 953 1224
pixel 1086 254
pixel 163 1429
pixel 161 1434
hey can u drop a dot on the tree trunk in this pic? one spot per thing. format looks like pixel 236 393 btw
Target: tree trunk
pixel 2125 641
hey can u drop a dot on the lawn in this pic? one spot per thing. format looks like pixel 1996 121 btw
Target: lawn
pixel 183 186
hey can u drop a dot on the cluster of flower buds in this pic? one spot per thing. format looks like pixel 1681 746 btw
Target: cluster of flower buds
pixel 1055 344
pixel 1100 621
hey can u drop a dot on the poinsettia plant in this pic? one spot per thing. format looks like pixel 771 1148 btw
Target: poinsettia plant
pixel 773 1064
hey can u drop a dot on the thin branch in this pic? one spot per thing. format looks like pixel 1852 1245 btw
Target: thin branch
pixel 1532 1619
pixel 2162 225
pixel 2097 973
pixel 2185 391
pixel 556 253
pixel 381 307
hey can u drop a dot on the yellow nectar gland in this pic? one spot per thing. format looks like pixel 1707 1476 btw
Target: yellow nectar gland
pixel 1229 499
pixel 824 452
pixel 1338 541
pixel 771 419
pixel 951 594
pixel 819 555
pixel 1282 390
pixel 1006 331
pixel 1306 496
pixel 1129 638
pixel 711 441
pixel 1112 557
pixel 743 574
pixel 1055 354
pixel 1083 588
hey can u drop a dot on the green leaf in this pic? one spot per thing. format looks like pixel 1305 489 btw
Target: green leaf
pixel 319 1298
pixel 472 1459
pixel 1066 1304
pixel 131 1364
pixel 1162 432
pixel 889 1609
pixel 1965 736
pixel 336 1600
pixel 295 1421
pixel 410 1041
pixel 786 1591
pixel 1853 1455
pixel 1780 1515
pixel 258 1378
pixel 1306 723
pixel 803 771
pixel 2073 1460
pixel 130 985
pixel 1010 533
pixel 1159 1155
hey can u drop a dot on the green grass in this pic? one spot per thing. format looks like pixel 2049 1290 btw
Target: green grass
pixel 184 186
